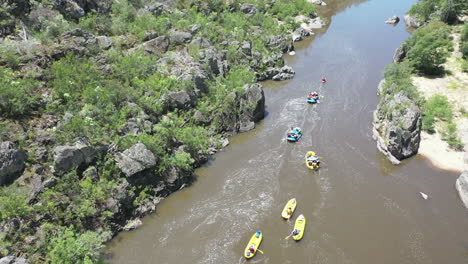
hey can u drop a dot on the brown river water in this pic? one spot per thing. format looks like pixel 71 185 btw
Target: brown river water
pixel 359 208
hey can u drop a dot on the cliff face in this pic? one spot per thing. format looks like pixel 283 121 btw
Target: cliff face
pixel 109 106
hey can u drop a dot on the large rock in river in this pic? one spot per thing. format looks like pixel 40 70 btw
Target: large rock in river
pixel 11 162
pixel 397 127
pixel 135 159
pixel 462 187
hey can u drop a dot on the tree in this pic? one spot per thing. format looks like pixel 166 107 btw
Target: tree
pixel 429 48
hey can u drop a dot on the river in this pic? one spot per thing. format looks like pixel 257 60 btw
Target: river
pixel 360 208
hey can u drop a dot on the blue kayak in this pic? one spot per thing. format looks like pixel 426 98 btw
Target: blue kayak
pixel 312 100
pixel 294 134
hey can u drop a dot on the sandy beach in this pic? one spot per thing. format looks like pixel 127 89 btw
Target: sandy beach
pixel 455 87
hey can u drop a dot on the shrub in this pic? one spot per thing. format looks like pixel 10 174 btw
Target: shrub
pixel 437 106
pixel 450 135
pixel 397 79
pixel 17 95
pixel 287 9
pixel 72 247
pixel 13 202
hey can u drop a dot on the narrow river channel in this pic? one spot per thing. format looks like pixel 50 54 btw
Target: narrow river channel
pixel 360 209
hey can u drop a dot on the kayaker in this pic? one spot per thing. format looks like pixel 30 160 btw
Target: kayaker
pixel 258 233
pixel 295 232
pixel 252 249
pixel 289 211
pixel 324 80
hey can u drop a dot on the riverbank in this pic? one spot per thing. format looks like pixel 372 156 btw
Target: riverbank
pixel 454 86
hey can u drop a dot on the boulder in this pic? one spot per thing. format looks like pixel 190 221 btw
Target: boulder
pixel 462 187
pixel 178 37
pixel 104 42
pixel 280 42
pixel 135 159
pixel 397 127
pixel 300 33
pixel 69 8
pixel 246 47
pixel 392 20
pixel 252 107
pixel 317 2
pixel 248 9
pixel 132 224
pixel 181 65
pixel 157 45
pixel 13 260
pixel 285 73
pixel 400 54
pixel 181 99
pixel 11 162
pixel 412 21
pixel 216 61
pixel 77 41
pixel 69 157
pixel 201 42
pixel 202 119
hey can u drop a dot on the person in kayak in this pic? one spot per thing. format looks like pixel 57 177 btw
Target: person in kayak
pixel 258 233
pixel 324 80
pixel 295 232
pixel 289 211
pixel 252 249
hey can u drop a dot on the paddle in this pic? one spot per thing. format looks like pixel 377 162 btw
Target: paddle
pixel 259 251
pixel 289 235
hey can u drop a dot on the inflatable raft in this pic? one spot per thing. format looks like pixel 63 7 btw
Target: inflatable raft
pixel 300 227
pixel 290 204
pixel 254 243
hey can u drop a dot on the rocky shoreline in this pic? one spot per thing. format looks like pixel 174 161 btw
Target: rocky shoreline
pixel 115 183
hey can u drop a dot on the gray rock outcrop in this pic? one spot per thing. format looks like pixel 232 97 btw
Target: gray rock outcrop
pixel 216 61
pixel 157 45
pixel 280 42
pixel 277 74
pixel 135 159
pixel 462 187
pixel 252 106
pixel 317 2
pixel 400 54
pixel 300 33
pixel 69 157
pixel 392 20
pixel 13 260
pixel 11 162
pixel 412 21
pixel 178 37
pixel 397 127
pixel 248 9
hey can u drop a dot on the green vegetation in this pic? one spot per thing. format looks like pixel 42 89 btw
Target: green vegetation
pixel 71 220
pixel 19 96
pixel 444 10
pixel 437 109
pixel 464 47
pixel 71 247
pixel 429 48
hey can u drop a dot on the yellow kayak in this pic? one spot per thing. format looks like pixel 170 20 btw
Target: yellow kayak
pixel 291 204
pixel 254 243
pixel 311 166
pixel 300 227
